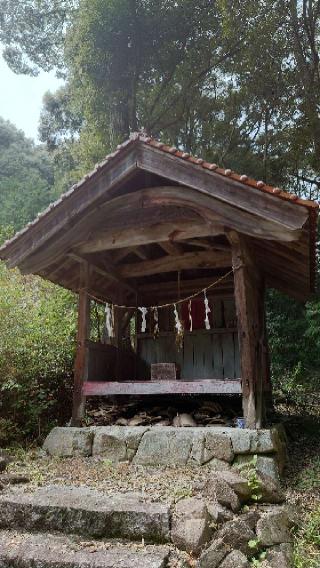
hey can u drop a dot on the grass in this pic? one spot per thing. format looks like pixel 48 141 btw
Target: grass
pixel 309 479
pixel 307 542
pixel 303 487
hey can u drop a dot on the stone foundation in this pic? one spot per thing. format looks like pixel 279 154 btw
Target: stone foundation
pixel 215 447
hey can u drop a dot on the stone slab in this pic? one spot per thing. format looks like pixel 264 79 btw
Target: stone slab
pixel 179 446
pixel 165 446
pixel 25 550
pixel 67 442
pixel 218 445
pixel 87 512
pixel 117 443
pixel 245 441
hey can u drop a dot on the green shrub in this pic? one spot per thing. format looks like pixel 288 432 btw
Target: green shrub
pixel 294 332
pixel 37 340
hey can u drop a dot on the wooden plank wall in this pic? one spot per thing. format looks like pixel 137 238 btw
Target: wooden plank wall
pixel 106 362
pixel 210 354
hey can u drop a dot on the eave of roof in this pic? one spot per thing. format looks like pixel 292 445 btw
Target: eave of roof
pixel 137 138
pixel 244 179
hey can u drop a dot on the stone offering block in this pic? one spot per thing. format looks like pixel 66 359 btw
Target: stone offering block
pixel 164 372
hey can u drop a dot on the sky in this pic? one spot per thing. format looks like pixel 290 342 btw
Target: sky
pixel 21 97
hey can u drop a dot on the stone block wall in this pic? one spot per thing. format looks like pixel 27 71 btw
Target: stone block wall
pixel 218 448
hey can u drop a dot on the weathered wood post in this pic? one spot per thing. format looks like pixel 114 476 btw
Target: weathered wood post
pixel 81 362
pixel 249 300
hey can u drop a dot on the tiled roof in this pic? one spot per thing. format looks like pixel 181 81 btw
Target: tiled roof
pixel 142 138
pixel 244 179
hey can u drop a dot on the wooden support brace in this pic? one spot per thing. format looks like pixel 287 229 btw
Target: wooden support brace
pixel 111 274
pixel 172 248
pixel 81 362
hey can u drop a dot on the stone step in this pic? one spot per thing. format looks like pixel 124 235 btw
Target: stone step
pixel 32 550
pixel 86 512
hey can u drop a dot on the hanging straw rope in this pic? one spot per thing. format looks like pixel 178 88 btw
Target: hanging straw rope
pixel 169 304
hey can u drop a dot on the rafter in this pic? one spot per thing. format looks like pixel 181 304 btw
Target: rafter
pixel 111 274
pixel 207 244
pixel 172 248
pixel 140 253
pixel 122 253
pixel 189 260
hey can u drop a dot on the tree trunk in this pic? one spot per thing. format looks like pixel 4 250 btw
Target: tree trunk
pixel 305 48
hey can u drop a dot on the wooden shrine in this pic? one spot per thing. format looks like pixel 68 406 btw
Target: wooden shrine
pixel 150 226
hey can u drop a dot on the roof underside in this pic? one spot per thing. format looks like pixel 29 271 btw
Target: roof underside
pixel 149 211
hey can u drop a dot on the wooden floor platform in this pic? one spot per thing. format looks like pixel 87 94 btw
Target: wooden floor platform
pixel 162 387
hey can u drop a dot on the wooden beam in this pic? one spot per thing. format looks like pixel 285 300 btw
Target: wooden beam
pixel 111 274
pixel 139 253
pixel 207 245
pixel 154 207
pixel 201 243
pixel 163 387
pixel 57 270
pixel 172 248
pixel 301 294
pixel 81 362
pixel 224 190
pixel 249 299
pixel 122 253
pixel 76 209
pixel 160 232
pixel 255 223
pixel 188 260
pixel 112 216
pixel 186 286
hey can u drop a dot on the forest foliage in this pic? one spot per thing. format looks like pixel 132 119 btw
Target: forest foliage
pixel 26 177
pixel 230 80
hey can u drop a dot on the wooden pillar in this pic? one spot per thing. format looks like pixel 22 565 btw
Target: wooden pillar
pixel 249 300
pixel 81 362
